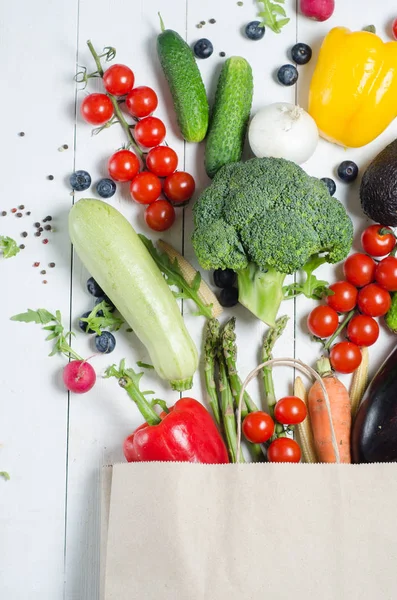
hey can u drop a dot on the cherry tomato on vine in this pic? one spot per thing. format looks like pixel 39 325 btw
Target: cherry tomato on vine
pixel 141 101
pixel 123 165
pixel 97 109
pixel 145 188
pixel 323 321
pixel 386 273
pixel 118 80
pixel 363 330
pixel 162 161
pixel 179 187
pixel 373 300
pixel 359 269
pixel 149 132
pixel 344 297
pixel 160 215
pixel 375 243
pixel 345 357
pixel 258 427
pixel 290 410
pixel 284 450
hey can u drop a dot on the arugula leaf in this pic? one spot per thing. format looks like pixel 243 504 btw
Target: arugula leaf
pixel 42 316
pixel 143 365
pixel 311 287
pixel 173 276
pixel 8 246
pixel 271 10
pixel 5 475
pixel 105 321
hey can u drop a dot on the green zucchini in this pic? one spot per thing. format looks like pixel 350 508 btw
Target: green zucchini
pixel 114 255
pixel 185 83
pixel 230 115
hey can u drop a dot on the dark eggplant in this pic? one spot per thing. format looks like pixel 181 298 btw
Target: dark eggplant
pixel 374 432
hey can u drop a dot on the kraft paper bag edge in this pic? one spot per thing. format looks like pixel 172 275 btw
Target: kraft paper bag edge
pixel 106 489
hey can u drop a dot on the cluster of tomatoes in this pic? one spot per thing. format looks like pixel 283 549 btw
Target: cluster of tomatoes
pixel 364 294
pixel 259 427
pixel 160 175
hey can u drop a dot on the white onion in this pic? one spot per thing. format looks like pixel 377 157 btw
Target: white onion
pixel 283 130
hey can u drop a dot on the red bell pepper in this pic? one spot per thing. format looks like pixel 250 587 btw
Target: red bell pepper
pixel 186 432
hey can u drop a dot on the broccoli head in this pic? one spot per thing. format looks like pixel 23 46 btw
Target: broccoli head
pixel 265 218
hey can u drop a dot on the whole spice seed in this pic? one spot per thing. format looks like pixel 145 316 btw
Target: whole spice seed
pixel 36 264
pixel 199 26
pixel 43 272
pixel 65 146
pixel 19 215
pixel 52 265
pixel 28 213
pixel 21 133
pixel 240 3
pixel 37 233
pixel 13 210
pixel 222 54
pixel 37 224
pixel 202 22
pixel 47 219
pixel 40 229
pixel 3 213
pixel 47 227
pixel 45 241
pixel 22 246
pixel 21 207
pixel 212 21
pixel 45 281
pixel 24 234
pixel 50 177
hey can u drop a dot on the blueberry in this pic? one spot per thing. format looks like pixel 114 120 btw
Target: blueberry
pixel 228 296
pixel 104 298
pixel 106 188
pixel 224 278
pixel 254 30
pixel 203 48
pixel 93 288
pixel 287 75
pixel 301 53
pixel 347 171
pixel 83 325
pixel 330 183
pixel 105 343
pixel 80 181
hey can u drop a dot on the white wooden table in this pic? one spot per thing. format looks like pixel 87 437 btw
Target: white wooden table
pixel 53 443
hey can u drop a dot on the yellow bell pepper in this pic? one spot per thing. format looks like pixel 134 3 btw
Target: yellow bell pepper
pixel 353 92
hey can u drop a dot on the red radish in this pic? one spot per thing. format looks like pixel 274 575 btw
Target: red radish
pixel 79 376
pixel 319 10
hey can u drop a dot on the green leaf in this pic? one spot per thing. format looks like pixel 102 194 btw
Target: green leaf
pixel 196 281
pixel 279 10
pixel 5 475
pixel 52 336
pixel 107 321
pixel 41 316
pixel 143 365
pixel 271 10
pixel 8 246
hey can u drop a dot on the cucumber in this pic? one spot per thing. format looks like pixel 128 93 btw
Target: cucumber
pixel 185 83
pixel 230 115
pixel 391 315
pixel 114 255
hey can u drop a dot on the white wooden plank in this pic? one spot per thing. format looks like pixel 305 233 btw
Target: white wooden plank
pixel 265 56
pixel 37 55
pixel 101 420
pixel 327 158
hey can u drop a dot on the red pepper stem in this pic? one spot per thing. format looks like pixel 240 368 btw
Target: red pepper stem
pixel 144 407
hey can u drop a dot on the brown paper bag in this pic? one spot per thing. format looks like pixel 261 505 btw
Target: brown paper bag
pixel 179 531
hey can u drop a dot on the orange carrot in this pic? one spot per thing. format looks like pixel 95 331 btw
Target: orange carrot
pixel 340 411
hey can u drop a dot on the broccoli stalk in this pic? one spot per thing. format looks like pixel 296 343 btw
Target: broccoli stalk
pixel 261 292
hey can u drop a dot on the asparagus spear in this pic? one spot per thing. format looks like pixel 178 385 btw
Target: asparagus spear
pixel 210 351
pixel 230 354
pixel 271 338
pixel 227 409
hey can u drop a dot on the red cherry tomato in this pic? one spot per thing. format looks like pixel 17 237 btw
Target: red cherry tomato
pixel 375 243
pixel 344 297
pixel 123 165
pixel 394 29
pixel 118 80
pixel 290 410
pixel 97 109
pixel 284 450
pixel 160 215
pixel 345 357
pixel 162 161
pixel 359 269
pixel 363 330
pixel 141 101
pixel 258 427
pixel 386 273
pixel 323 321
pixel 149 132
pixel 179 187
pixel 145 188
pixel 373 300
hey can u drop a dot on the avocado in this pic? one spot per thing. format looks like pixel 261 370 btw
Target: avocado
pixel 378 191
